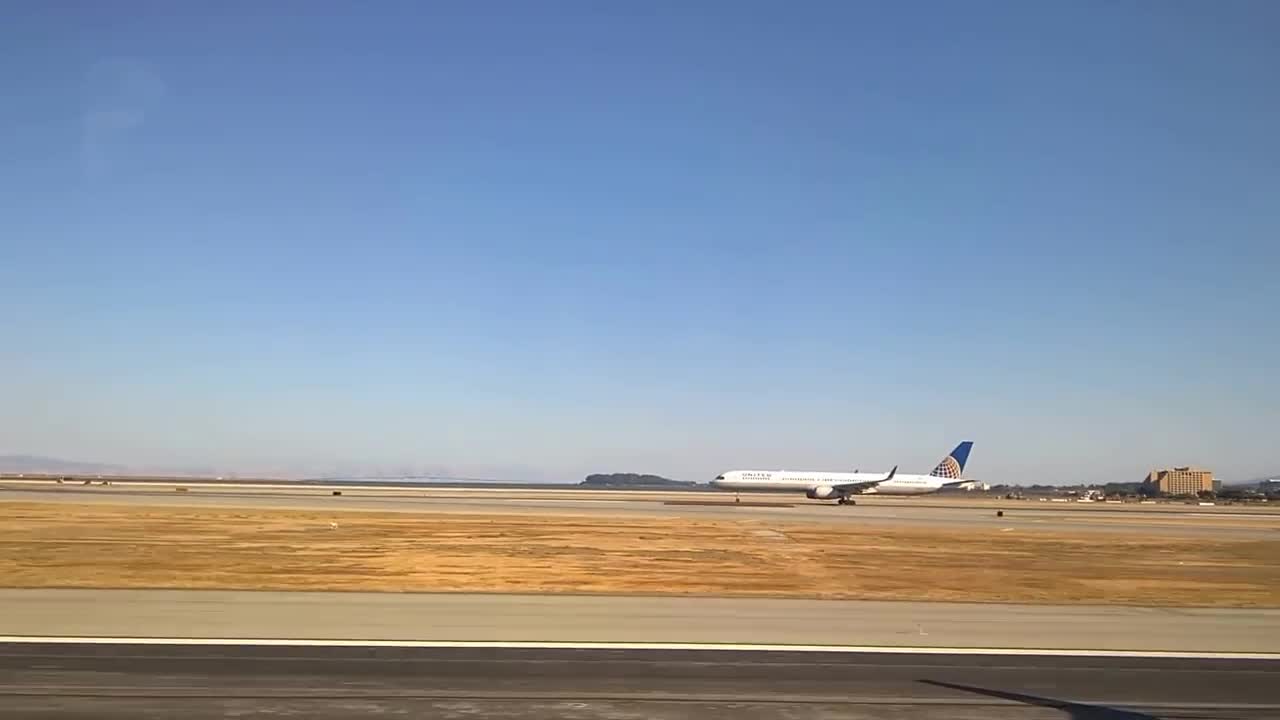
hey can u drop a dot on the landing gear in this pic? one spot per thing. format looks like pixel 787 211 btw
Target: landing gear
pixel 846 501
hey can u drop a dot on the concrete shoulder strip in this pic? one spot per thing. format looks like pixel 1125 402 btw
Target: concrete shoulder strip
pixel 736 647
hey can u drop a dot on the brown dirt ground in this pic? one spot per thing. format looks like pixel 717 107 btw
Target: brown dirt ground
pixel 105 546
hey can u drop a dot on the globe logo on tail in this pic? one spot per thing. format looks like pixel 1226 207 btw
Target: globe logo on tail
pixel 949 468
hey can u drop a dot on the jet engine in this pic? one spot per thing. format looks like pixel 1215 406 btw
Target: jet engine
pixel 822 492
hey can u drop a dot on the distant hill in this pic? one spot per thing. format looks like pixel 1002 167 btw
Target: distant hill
pixel 39 464
pixel 632 480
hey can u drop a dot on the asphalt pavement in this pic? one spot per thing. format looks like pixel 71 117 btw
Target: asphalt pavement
pixel 115 682
pixel 1216 522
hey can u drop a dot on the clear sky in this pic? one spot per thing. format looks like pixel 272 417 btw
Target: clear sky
pixel 539 239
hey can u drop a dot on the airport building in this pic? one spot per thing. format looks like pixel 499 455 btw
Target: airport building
pixel 1181 480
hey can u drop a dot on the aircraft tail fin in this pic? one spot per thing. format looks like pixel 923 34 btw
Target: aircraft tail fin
pixel 952 466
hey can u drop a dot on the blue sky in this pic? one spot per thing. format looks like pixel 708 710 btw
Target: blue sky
pixel 536 240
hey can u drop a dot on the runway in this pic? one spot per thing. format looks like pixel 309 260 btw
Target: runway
pixel 1193 521
pixel 926 660
pixel 119 682
pixel 592 618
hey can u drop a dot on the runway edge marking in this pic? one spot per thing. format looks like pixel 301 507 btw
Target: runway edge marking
pixel 549 645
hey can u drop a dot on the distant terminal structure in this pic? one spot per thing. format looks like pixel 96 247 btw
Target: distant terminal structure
pixel 1181 480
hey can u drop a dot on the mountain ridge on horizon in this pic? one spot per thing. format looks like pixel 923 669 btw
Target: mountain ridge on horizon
pixel 43 464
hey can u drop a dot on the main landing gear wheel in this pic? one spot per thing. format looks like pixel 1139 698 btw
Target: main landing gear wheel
pixel 846 501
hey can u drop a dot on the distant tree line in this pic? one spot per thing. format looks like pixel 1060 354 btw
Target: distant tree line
pixel 1138 490
pixel 632 480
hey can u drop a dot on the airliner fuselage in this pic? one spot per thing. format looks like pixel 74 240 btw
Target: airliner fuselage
pixel 842 486
pixel 812 483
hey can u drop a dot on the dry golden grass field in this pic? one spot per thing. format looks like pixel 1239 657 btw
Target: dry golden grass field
pixel 119 546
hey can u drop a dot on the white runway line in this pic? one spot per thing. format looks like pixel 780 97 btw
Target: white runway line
pixel 535 645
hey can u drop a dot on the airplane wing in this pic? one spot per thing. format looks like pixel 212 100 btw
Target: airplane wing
pixel 860 486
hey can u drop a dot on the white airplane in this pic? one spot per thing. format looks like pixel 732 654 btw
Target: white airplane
pixel 841 486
